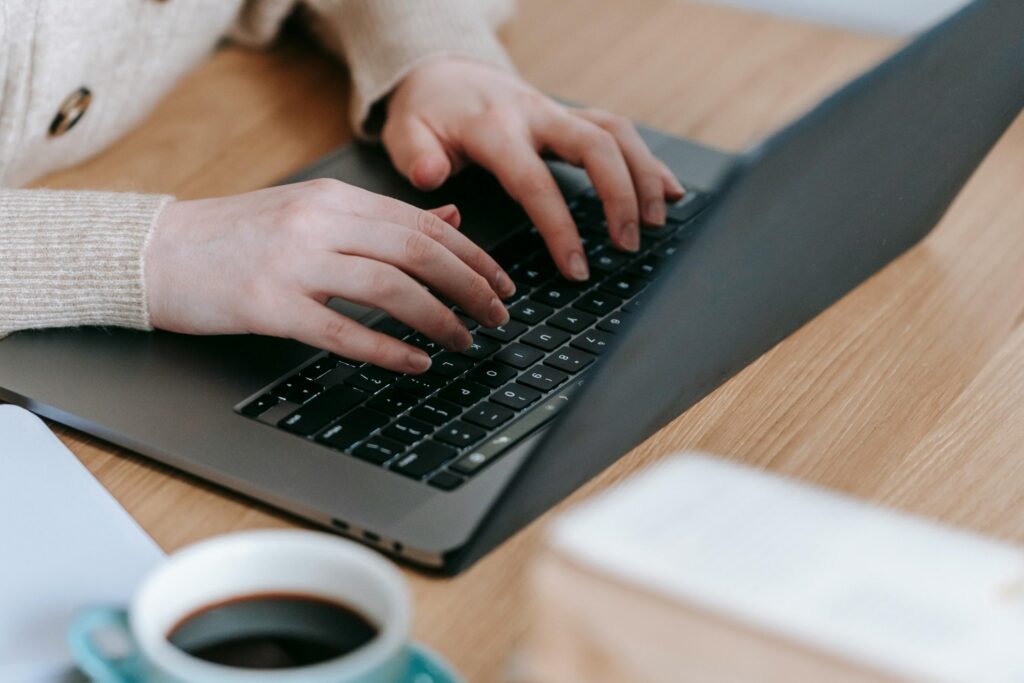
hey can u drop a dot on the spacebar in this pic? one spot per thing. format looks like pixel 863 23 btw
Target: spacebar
pixel 488 452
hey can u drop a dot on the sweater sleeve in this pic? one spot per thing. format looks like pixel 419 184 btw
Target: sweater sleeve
pixel 74 258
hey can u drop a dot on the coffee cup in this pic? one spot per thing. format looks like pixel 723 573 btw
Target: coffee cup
pixel 282 606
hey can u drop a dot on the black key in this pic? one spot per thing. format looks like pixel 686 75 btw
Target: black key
pixel 408 430
pixel 436 411
pixel 392 401
pixel 450 364
pixel 260 405
pixel 319 368
pixel 530 312
pixel 481 347
pixel 593 341
pixel 515 396
pixel 464 392
pixel 505 333
pixel 624 285
pixel 393 328
pixel 686 208
pixel 516 248
pixel 421 341
pixel 544 337
pixel 647 266
pixel 492 374
pixel 315 415
pixel 633 304
pixel 346 361
pixel 337 375
pixel 421 385
pixel 424 459
pixel 299 387
pixel 466 321
pixel 572 320
pixel 569 359
pixel 612 323
pixel 518 356
pixel 371 378
pixel 667 250
pixel 446 481
pixel 556 294
pixel 378 450
pixel 488 415
pixel 598 303
pixel 542 377
pixel 460 434
pixel 527 277
pixel 355 426
pixel 607 260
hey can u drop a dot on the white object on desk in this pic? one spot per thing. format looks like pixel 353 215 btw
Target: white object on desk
pixel 884 591
pixel 65 543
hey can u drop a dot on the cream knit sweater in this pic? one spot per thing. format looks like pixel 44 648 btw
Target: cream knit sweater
pixel 75 258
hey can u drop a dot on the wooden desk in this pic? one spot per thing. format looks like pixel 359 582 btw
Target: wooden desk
pixel 910 391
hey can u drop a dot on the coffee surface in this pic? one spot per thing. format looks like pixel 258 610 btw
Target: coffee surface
pixel 272 631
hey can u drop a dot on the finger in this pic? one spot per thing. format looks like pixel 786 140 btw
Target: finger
pixel 674 190
pixel 648 172
pixel 378 207
pixel 512 158
pixel 317 325
pixel 380 285
pixel 583 143
pixel 416 152
pixel 449 213
pixel 426 260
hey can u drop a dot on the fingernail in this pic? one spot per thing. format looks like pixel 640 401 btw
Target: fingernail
pixel 578 266
pixel 678 188
pixel 419 362
pixel 461 339
pixel 631 236
pixel 498 313
pixel 503 285
pixel 654 212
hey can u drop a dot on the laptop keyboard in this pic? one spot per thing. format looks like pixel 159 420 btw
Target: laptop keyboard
pixel 446 425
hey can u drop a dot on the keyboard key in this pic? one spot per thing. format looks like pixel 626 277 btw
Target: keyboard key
pixel 466 321
pixel 529 311
pixel 319 368
pixel 298 387
pixel 667 250
pixel 557 294
pixel 542 377
pixel 572 320
pixel 354 427
pixel 686 208
pixel 421 385
pixel 446 481
pixel 647 266
pixel 378 450
pixel 425 343
pixel 392 401
pixel 408 430
pixel 481 348
pixel 492 374
pixel 516 247
pixel 598 303
pixel 633 304
pixel 424 459
pixel 371 378
pixel 569 359
pixel 544 337
pixel 450 364
pixel 605 260
pixel 505 333
pixel 518 356
pixel 393 328
pixel 436 411
pixel 460 434
pixel 260 405
pixel 488 415
pixel 316 414
pixel 464 392
pixel 515 396
pixel 624 285
pixel 336 376
pixel 612 323
pixel 594 341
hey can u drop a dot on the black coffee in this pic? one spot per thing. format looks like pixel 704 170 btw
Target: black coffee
pixel 272 631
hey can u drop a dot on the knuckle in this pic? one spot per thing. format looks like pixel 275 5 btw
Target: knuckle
pixel 382 282
pixel 429 225
pixel 530 182
pixel 381 348
pixel 417 248
pixel 322 186
pixel 335 327
pixel 618 124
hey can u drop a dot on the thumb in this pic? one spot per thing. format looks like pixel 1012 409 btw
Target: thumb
pixel 417 153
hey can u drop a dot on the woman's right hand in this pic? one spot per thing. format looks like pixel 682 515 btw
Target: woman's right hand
pixel 267 262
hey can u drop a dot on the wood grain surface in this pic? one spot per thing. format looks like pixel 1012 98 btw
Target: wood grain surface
pixel 909 391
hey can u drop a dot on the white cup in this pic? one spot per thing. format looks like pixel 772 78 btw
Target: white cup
pixel 252 563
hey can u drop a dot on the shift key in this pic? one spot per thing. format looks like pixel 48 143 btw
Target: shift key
pixel 315 415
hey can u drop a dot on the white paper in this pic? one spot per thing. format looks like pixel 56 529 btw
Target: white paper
pixel 890 591
pixel 65 544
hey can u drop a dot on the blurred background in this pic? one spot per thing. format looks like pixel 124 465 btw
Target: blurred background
pixel 893 17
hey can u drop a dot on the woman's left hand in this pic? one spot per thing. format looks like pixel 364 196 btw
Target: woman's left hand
pixel 449 112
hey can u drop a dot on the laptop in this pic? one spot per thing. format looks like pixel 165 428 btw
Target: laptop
pixel 436 470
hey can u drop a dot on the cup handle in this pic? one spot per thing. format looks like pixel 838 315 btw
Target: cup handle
pixel 97 665
pixel 425 666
